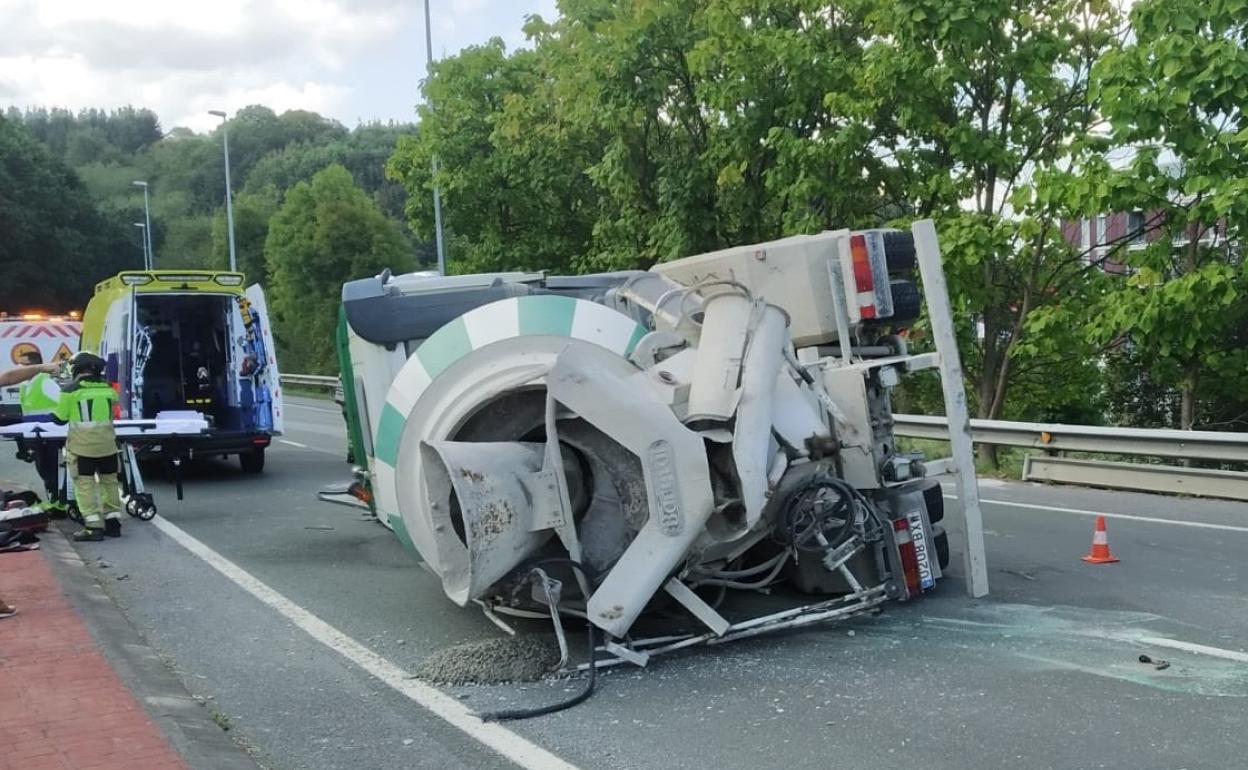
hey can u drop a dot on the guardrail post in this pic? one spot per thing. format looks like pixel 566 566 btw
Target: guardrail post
pixel 969 527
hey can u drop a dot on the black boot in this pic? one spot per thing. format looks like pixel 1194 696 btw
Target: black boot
pixel 88 535
pixel 112 527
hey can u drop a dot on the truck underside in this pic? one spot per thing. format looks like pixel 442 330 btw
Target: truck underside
pixel 597 447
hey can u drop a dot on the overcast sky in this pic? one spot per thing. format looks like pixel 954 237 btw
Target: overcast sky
pixel 350 59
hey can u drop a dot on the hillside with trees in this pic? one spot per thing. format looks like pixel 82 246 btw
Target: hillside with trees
pixel 68 200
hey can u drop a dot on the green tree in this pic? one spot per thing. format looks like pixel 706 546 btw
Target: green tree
pixel 978 105
pixel 326 232
pixel 1174 97
pixel 252 212
pixel 256 131
pixel 54 244
pixel 512 185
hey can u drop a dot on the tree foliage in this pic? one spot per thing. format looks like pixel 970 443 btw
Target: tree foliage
pixel 269 153
pixel 53 240
pixel 326 232
pixel 635 132
pixel 1174 99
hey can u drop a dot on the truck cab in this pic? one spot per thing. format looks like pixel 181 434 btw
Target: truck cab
pixel 191 340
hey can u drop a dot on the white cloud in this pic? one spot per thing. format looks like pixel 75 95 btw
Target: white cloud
pixel 183 57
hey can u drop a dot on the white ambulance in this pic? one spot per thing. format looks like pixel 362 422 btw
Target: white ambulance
pixel 55 338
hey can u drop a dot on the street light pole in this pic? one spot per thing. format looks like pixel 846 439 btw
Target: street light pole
pixel 229 206
pixel 149 253
pixel 146 257
pixel 437 193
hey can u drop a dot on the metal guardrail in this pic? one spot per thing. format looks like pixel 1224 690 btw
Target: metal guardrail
pixel 1139 442
pixel 310 381
pixel 1143 442
pixel 1049 438
pixel 1139 477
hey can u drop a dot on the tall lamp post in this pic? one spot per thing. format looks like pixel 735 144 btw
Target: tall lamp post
pixel 148 253
pixel 146 257
pixel 229 206
pixel 437 193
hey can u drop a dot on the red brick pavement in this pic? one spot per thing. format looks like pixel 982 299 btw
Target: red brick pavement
pixel 61 705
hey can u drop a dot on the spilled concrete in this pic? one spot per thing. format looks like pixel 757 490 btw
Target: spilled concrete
pixel 524 658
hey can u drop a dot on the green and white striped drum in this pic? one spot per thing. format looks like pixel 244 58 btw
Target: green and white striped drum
pixel 483 354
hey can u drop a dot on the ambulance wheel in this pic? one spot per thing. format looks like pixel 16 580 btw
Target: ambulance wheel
pixel 252 462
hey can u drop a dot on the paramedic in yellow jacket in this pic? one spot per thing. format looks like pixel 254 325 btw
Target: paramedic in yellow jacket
pixel 86 404
pixel 38 398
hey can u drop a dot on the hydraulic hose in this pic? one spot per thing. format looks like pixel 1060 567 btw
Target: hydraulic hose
pixel 507 715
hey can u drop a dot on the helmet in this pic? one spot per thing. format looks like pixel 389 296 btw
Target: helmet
pixel 85 363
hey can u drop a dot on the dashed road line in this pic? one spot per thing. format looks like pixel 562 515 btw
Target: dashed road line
pixel 501 740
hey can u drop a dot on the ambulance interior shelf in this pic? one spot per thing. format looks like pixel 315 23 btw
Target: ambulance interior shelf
pixel 183 358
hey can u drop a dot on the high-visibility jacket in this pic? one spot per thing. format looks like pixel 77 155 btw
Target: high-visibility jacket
pixel 36 395
pixel 87 405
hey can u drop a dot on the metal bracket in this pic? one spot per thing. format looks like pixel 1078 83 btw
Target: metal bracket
pixel 700 609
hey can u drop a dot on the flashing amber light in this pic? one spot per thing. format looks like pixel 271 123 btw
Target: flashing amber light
pixel 74 314
pixel 32 316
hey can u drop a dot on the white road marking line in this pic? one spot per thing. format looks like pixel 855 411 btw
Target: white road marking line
pixel 1082 512
pixel 1199 649
pixel 503 741
pixel 311 448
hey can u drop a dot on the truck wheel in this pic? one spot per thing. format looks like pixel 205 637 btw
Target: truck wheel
pixel 934 499
pixel 907 301
pixel 942 547
pixel 899 251
pixel 253 461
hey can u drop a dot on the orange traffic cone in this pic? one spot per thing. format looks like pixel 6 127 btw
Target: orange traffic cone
pixel 1100 545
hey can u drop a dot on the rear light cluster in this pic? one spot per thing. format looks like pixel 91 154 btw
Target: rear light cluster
pixel 868 261
pixel 869 267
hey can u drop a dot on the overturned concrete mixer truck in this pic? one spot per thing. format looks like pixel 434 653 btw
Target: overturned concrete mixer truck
pixel 594 446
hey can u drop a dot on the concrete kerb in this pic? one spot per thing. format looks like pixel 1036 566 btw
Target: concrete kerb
pixel 185 722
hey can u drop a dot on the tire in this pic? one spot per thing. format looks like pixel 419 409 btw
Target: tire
pixel 941 539
pixel 934 500
pixel 253 461
pixel 907 302
pixel 899 251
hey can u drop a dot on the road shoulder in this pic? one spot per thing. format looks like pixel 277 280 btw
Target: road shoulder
pixel 185 723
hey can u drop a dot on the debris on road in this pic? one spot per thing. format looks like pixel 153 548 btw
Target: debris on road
pixel 525 658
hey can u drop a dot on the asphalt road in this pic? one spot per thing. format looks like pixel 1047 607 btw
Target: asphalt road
pixel 1043 673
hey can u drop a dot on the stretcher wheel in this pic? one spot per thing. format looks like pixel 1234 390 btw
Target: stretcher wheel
pixel 144 507
pixel 74 514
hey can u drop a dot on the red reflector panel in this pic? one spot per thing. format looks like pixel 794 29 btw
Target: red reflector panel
pixel 864 281
pixel 909 556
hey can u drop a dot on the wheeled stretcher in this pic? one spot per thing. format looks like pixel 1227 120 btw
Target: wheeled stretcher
pixel 168 431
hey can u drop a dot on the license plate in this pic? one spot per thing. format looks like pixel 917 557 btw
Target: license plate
pixel 919 536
